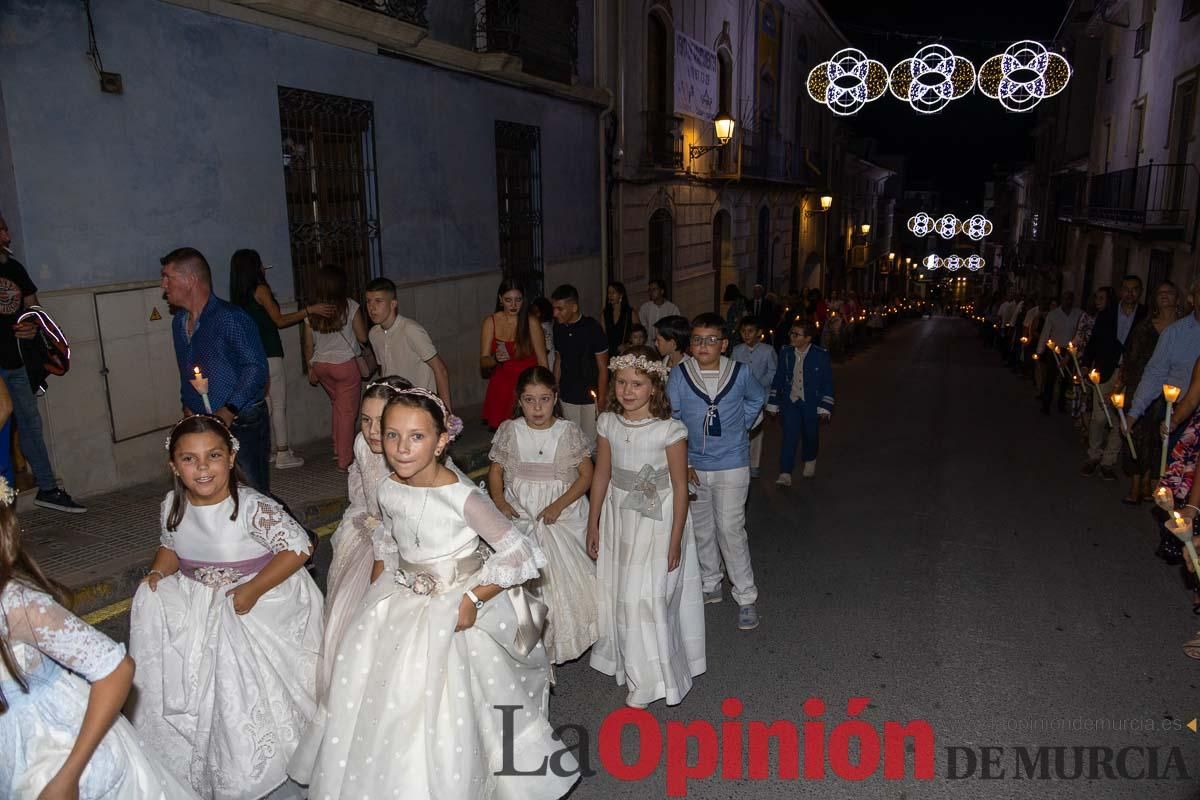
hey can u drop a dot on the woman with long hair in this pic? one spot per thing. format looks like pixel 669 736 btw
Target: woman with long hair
pixel 331 347
pixel 248 289
pixel 62 685
pixel 510 342
pixel 619 317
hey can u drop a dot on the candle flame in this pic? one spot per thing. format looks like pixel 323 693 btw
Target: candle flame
pixel 1171 393
pixel 1118 399
pixel 1094 377
pixel 197 371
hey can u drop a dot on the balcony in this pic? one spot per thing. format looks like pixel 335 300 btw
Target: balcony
pixel 1153 198
pixel 410 11
pixel 664 143
pixel 544 34
pixel 767 156
pixel 1069 196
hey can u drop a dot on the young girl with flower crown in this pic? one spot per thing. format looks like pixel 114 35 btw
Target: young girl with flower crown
pixel 540 475
pixel 226 627
pixel 651 606
pixel 62 685
pixel 443 671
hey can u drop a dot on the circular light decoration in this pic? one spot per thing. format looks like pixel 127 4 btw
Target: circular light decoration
pixel 1023 75
pixel 920 224
pixel 932 78
pixel 847 81
pixel 946 226
pixel 976 227
pixel 931 262
pixel 975 262
pixel 952 263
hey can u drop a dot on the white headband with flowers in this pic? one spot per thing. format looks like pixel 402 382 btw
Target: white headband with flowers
pixel 234 444
pixel 7 495
pixel 454 425
pixel 660 368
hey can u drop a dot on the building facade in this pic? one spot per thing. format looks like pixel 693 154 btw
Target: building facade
pixel 700 216
pixel 441 145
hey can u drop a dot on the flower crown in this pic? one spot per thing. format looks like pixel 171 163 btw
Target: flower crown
pixel 659 368
pixel 454 425
pixel 7 495
pixel 234 444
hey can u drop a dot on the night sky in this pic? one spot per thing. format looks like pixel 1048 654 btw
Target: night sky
pixel 955 149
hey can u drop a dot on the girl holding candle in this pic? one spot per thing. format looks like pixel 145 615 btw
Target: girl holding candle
pixel 225 628
pixel 639 532
pixel 540 475
pixel 62 685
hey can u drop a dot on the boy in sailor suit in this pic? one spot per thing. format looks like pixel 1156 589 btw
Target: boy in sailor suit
pixel 803 394
pixel 719 401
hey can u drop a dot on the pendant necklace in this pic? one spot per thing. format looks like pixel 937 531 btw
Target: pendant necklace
pixel 421 517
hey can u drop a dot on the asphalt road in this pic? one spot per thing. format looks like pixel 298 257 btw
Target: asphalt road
pixel 949 564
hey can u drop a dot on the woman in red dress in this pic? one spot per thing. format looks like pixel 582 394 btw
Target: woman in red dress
pixel 510 342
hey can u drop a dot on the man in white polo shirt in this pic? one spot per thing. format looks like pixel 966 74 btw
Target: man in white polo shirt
pixel 657 307
pixel 401 345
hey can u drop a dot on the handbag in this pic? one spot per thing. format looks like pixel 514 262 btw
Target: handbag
pixel 366 361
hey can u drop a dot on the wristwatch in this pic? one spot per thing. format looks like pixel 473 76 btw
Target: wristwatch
pixel 471 596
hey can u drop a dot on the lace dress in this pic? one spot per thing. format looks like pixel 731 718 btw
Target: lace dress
pixel 412 708
pixel 222 698
pixel 59 655
pixel 539 467
pixel 651 620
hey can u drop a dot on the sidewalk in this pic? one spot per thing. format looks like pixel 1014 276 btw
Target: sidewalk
pixel 103 554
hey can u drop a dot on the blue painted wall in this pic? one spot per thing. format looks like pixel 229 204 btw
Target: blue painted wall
pixel 190 153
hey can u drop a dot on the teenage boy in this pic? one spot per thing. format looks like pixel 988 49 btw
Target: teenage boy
pixel 760 358
pixel 803 395
pixel 719 402
pixel 658 306
pixel 401 345
pixel 581 367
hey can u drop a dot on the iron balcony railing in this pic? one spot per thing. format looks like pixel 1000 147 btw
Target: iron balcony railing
pixel 1159 196
pixel 1069 196
pixel 410 11
pixel 664 143
pixel 543 33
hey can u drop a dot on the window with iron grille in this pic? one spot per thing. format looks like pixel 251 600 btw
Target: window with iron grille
pixel 329 180
pixel 519 195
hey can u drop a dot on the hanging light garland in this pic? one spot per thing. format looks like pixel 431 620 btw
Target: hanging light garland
pixel 932 78
pixel 977 227
pixel 920 224
pixel 1021 77
pixel 953 263
pixel 1024 75
pixel 975 262
pixel 946 226
pixel 847 81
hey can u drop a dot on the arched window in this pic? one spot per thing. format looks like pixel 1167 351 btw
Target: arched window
pixel 660 96
pixel 722 256
pixel 763 274
pixel 661 250
pixel 725 104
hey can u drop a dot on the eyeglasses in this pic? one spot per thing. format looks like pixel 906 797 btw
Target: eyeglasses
pixel 697 340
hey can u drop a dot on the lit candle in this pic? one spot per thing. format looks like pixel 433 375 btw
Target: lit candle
pixel 1118 401
pixel 1094 377
pixel 1183 529
pixel 200 384
pixel 1163 499
pixel 1171 394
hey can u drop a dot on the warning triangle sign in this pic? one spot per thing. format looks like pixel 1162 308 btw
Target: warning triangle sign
pixel 154 315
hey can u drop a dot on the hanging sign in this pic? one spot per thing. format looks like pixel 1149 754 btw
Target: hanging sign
pixel 696 78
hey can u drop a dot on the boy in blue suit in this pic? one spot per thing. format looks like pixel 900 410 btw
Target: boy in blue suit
pixel 719 401
pixel 803 394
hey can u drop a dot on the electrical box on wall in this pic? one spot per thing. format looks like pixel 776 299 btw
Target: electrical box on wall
pixel 110 83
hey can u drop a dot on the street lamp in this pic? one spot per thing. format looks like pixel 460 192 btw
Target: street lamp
pixel 891 256
pixel 865 228
pixel 723 125
pixel 826 201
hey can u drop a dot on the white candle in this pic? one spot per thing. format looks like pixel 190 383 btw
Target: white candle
pixel 200 384
pixel 1094 377
pixel 1171 394
pixel 1118 401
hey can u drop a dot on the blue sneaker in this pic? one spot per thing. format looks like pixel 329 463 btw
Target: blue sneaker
pixel 747 618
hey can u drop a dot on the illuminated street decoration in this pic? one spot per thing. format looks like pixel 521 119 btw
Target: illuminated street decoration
pixel 847 81
pixel 976 227
pixel 952 263
pixel 931 262
pixel 975 262
pixel 1023 75
pixel 932 78
pixel 946 226
pixel 920 224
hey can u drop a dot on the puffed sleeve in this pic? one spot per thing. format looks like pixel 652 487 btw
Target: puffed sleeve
pixel 572 449
pixel 517 558
pixel 273 527
pixel 355 490
pixel 504 446
pixel 676 431
pixel 166 538
pixel 604 424
pixel 35 618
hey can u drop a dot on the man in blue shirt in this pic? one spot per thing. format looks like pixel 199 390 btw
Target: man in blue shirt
pixel 1172 363
pixel 222 340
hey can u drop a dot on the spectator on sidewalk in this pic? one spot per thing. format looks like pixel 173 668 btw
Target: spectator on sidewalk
pixel 657 307
pixel 581 368
pixel 17 293
pixel 511 341
pixel 759 356
pixel 402 346
pixel 1104 350
pixel 223 342
pixel 249 291
pixel 331 347
pixel 619 318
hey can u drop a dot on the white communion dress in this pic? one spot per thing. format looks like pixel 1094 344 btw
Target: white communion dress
pixel 651 620
pixel 413 707
pixel 58 655
pixel 222 697
pixel 539 467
